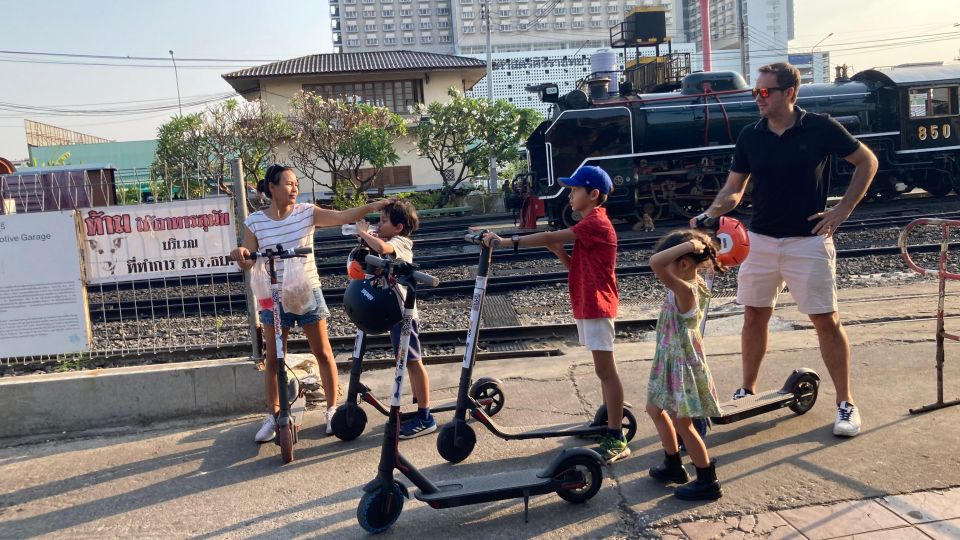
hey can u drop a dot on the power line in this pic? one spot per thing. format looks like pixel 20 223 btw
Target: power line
pixel 149 58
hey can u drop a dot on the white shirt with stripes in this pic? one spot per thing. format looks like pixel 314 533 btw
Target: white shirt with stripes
pixel 295 230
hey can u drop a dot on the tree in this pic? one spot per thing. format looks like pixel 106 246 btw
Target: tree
pixel 456 136
pixel 182 159
pixel 338 138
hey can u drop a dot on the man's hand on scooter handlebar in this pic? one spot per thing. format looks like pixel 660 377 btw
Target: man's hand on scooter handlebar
pixel 704 221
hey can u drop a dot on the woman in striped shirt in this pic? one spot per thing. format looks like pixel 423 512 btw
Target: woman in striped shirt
pixel 292 224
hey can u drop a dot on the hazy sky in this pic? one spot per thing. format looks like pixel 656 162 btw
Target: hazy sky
pixel 278 29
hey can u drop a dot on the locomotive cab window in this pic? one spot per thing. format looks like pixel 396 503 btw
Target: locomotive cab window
pixel 930 102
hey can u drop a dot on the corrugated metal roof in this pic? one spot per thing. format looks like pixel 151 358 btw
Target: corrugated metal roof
pixel 910 75
pixel 359 62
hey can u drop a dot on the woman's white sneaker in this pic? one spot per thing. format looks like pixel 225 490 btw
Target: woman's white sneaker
pixel 267 431
pixel 848 420
pixel 330 412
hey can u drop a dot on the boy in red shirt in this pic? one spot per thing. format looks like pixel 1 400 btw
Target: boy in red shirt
pixel 593 288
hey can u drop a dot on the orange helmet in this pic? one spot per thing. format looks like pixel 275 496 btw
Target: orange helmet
pixel 734 241
pixel 355 264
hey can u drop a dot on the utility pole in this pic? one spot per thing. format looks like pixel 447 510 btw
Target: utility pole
pixel 177 76
pixel 493 162
pixel 743 41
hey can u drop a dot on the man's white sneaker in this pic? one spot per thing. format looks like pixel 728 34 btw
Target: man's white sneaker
pixel 848 420
pixel 267 431
pixel 330 412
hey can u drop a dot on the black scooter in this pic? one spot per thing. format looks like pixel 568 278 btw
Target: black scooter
pixel 457 439
pixel 292 400
pixel 575 474
pixel 350 420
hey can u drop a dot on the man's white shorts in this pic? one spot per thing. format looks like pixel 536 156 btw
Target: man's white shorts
pixel 806 264
pixel 596 334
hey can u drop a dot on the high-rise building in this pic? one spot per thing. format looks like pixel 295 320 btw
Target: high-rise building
pixel 767 26
pixel 385 25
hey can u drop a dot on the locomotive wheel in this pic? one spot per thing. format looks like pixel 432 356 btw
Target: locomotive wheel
pixel 569 217
pixel 938 185
pixel 696 197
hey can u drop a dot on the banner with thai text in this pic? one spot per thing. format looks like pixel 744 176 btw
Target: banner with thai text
pixel 161 240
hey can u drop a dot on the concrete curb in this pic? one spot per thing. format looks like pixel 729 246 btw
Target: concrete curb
pixel 72 402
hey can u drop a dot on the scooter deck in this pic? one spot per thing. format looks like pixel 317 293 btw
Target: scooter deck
pixel 757 404
pixel 577 429
pixel 494 487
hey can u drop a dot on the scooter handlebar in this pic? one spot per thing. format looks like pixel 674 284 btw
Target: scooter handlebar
pixel 279 254
pixel 404 268
pixel 476 237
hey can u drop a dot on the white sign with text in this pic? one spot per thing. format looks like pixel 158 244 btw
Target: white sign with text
pixel 43 303
pixel 148 241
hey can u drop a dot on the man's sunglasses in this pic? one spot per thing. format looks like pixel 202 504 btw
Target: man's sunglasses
pixel 765 92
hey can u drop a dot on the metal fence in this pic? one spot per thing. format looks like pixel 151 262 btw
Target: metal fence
pixel 156 284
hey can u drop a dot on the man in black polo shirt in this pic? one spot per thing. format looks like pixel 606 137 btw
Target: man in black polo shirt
pixel 784 155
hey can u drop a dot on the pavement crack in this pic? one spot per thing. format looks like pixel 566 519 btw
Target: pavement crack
pixel 581 399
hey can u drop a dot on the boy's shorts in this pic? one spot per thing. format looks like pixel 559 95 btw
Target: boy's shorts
pixel 413 354
pixel 596 334
pixel 806 264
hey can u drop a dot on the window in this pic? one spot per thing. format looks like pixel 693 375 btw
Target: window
pixel 353 43
pixel 351 28
pixel 523 12
pixel 560 11
pixel 444 39
pixel 577 24
pixel 541 12
pixel 443 11
pixel 576 10
pixel 351 14
pixel 613 8
pixel 387 13
pixel 369 13
pixel 425 11
pixel 559 25
pixel 426 25
pixel 367 1
pixel 443 24
pixel 595 9
pixel 371 41
pixel 926 102
pixel 399 176
pixel 426 39
pixel 388 27
pixel 408 40
pixel 506 27
pixel 468 29
pixel 467 14
pixel 466 2
pixel 541 26
pixel 349 1
pixel 504 12
pixel 386 1
pixel 523 26
pixel 398 96
pixel 406 26
pixel 390 41
pixel 596 24
pixel 370 27
pixel 406 12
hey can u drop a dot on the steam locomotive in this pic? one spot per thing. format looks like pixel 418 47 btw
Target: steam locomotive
pixel 670 152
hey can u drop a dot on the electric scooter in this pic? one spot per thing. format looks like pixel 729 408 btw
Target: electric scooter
pixel 457 439
pixel 799 391
pixel 350 420
pixel 293 403
pixel 575 474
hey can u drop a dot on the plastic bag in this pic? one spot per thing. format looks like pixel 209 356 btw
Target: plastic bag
pixel 297 295
pixel 260 284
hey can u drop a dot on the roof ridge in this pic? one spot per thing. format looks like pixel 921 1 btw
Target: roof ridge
pixel 356 62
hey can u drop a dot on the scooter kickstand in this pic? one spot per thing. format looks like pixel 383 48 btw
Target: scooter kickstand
pixel 526 506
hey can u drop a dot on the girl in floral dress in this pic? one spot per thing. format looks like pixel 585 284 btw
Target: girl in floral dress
pixel 681 387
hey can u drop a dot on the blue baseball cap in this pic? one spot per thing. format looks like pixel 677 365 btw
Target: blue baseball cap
pixel 590 177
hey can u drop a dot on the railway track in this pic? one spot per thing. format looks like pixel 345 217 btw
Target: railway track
pixel 236 303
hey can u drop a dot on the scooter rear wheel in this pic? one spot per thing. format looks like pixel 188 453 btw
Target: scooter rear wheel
pixel 379 510
pixel 806 383
pixel 456 441
pixel 349 421
pixel 628 424
pixel 592 475
pixel 490 395
pixel 285 441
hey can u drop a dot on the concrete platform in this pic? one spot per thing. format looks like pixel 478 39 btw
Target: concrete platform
pixel 207 478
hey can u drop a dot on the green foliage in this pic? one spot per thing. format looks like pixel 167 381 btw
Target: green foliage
pixel 458 135
pixel 344 196
pixel 421 200
pixel 71 362
pixel 182 159
pixel 338 138
pixel 128 194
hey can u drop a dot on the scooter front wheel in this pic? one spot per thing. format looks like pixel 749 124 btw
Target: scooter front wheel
pixel 489 395
pixel 349 421
pixel 581 477
pixel 379 510
pixel 285 441
pixel 807 384
pixel 456 441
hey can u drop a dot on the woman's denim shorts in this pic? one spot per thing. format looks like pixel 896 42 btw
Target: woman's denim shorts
pixel 289 320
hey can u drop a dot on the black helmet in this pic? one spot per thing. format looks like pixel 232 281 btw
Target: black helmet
pixel 373 305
